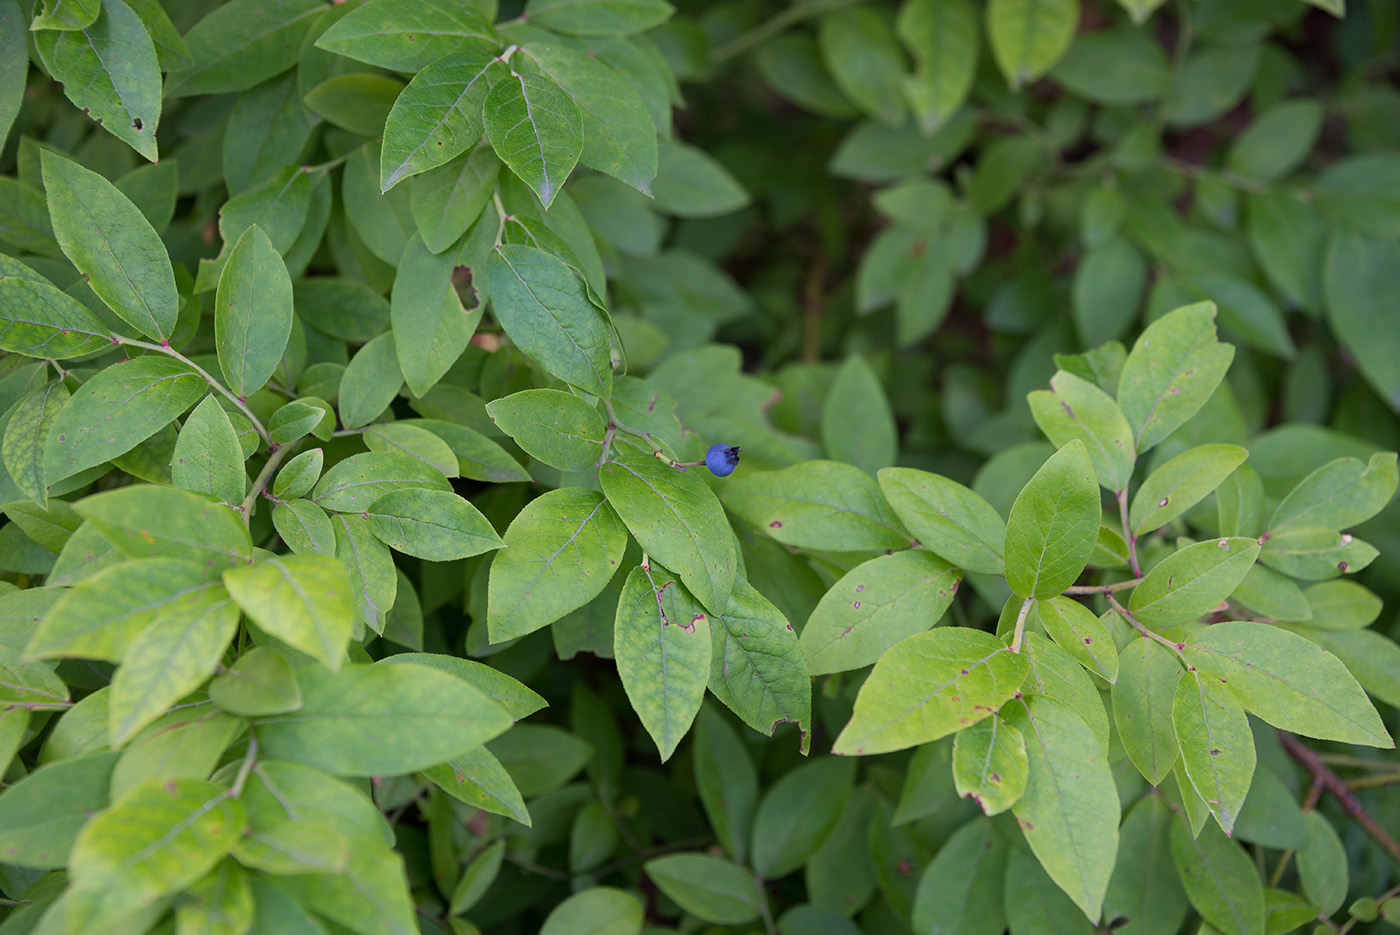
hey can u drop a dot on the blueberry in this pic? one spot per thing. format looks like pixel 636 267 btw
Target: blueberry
pixel 721 459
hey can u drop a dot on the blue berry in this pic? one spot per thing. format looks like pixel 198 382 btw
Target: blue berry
pixel 721 459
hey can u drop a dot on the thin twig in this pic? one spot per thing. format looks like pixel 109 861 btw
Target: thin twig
pixel 1150 634
pixel 1333 783
pixel 249 759
pixel 1021 624
pixel 260 483
pixel 1102 588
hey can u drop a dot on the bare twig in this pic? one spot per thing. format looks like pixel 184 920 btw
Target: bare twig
pixel 1323 775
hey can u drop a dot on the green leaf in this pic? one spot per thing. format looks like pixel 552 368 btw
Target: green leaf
pixel 447 200
pixel 303 600
pixel 960 890
pixel 691 183
pixel 165 662
pixel 112 244
pixel 1322 865
pixel 1220 880
pixel 1143 699
pixel 439 114
pixel 25 436
pixel 355 483
pixel 1316 554
pixel 1217 747
pixel 942 36
pixel 14 55
pixel 726 780
pixel 675 518
pixel 1107 290
pixel 518 700
pixel 242 43
pixel 66 14
pixel 661 641
pixel 252 313
pixel 873 607
pixel 1288 681
pixel 108 69
pixel 1071 825
pixel 1140 888
pixel 436 525
pixel 600 910
pixel 42 813
pixel 208 458
pixel 224 897
pixel 25 683
pixel 1181 483
pixel 177 746
pixel 990 764
pixel 371 566
pixel 260 683
pixel 931 685
pixel 1174 367
pixel 1029 36
pixel 1288 236
pixel 156 840
pixel 1338 495
pixel 415 442
pixel 171 51
pixel 757 669
pixel 431 328
pixel 478 457
pixel 478 779
pixel 1034 903
pixel 477 878
pixel 1083 636
pixel 797 813
pixel 299 418
pixel 304 527
pixel 1277 140
pixel 102 614
pixel 860 51
pixel 1240 503
pixel 545 310
pixel 619 138
pixel 707 887
pixel 370 383
pixel 552 426
pixel 38 320
pixel 146 520
pixel 1270 594
pixel 537 131
pixel 1187 584
pixel 117 409
pixel 562 549
pixel 1115 66
pixel 823 505
pixel 598 17
pixel 857 424
pixel 1076 409
pixel 1341 605
pixel 406 36
pixel 381 720
pixel 947 518
pixel 1054 524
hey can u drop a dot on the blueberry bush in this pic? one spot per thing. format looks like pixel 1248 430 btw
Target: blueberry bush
pixel 738 466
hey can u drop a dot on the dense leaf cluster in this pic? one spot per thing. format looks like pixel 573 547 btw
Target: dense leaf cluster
pixel 362 362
